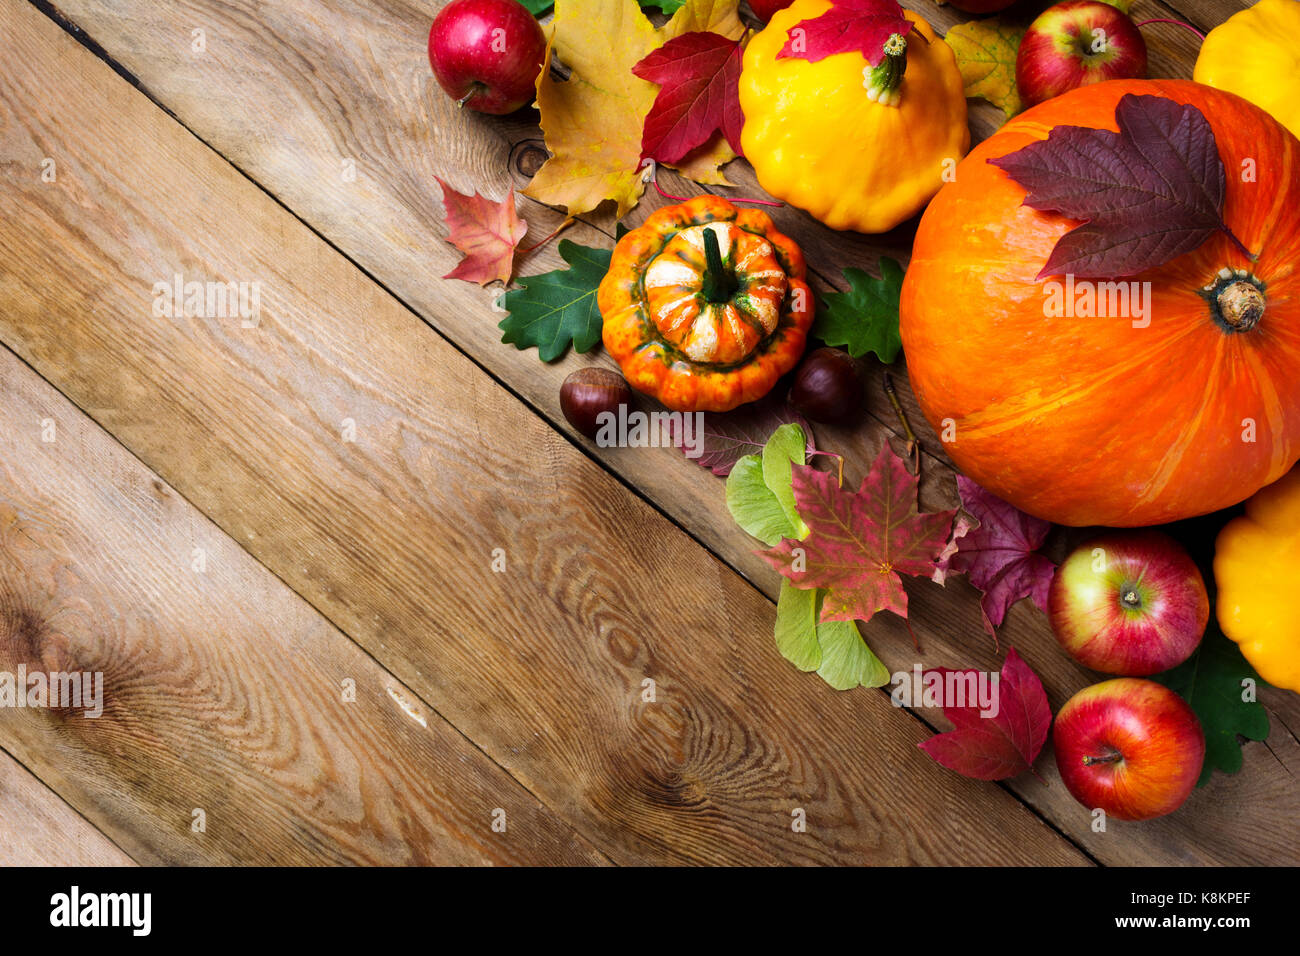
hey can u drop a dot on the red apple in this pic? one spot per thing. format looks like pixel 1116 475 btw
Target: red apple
pixel 1074 44
pixel 1130 747
pixel 766 9
pixel 1130 603
pixel 486 54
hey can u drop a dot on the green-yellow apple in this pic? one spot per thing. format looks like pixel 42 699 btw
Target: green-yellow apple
pixel 1129 602
pixel 1074 44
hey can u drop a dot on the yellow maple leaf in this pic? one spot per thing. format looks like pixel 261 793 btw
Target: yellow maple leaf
pixel 593 121
pixel 986 56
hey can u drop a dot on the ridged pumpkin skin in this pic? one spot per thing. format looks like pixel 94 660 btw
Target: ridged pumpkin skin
pixel 670 341
pixel 817 141
pixel 1087 421
pixel 1255 53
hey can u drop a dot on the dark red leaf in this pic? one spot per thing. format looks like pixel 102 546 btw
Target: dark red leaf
pixel 999 746
pixel 1146 194
pixel 1000 555
pixel 860 26
pixel 699 93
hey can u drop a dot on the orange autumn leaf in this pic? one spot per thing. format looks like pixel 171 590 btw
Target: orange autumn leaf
pixel 594 120
pixel 486 231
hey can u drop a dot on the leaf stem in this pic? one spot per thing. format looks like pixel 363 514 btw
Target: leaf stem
pixel 558 229
pixel 1237 242
pixel 912 444
pixel 652 177
pixel 1180 23
pixel 838 457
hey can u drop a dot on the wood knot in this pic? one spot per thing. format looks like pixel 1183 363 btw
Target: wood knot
pixel 527 157
pixel 23 633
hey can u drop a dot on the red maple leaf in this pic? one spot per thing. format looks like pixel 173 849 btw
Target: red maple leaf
pixel 486 231
pixel 1001 555
pixel 849 26
pixel 699 94
pixel 858 544
pixel 1004 744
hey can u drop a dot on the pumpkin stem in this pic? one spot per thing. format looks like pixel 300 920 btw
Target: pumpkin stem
pixel 1236 299
pixel 882 81
pixel 719 282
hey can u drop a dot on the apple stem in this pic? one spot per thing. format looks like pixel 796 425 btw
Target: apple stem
pixel 1107 758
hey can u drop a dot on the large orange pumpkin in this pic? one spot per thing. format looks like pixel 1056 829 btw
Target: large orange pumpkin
pixel 1092 420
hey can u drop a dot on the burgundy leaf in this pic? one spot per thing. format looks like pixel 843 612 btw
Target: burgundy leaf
pixel 1000 746
pixel 699 93
pixel 1145 195
pixel 1000 555
pixel 849 26
pixel 729 436
pixel 857 544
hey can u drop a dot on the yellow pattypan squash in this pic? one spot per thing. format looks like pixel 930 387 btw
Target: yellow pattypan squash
pixel 1257 568
pixel 1255 53
pixel 858 147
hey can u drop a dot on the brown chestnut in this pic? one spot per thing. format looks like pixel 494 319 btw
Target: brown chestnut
pixel 828 387
pixel 588 392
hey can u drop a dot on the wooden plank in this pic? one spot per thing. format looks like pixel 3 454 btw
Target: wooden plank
pixel 222 690
pixel 543 664
pixel 39 829
pixel 377 100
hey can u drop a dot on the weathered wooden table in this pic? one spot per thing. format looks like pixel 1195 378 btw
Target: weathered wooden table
pixel 276 540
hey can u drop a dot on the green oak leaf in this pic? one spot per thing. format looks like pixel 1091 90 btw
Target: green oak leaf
pixel 555 309
pixel 864 319
pixel 1210 681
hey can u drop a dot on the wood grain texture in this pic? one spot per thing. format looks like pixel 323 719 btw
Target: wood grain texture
pixel 38 829
pixel 378 99
pixel 393 535
pixel 223 691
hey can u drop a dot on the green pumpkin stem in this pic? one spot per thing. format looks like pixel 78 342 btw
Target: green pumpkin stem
pixel 882 81
pixel 719 282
